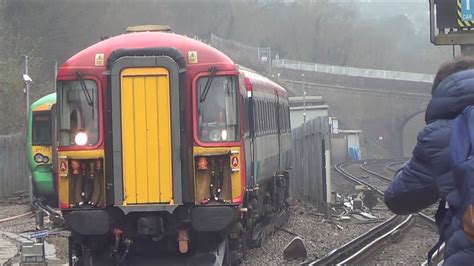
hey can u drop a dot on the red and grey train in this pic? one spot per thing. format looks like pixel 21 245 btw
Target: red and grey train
pixel 167 149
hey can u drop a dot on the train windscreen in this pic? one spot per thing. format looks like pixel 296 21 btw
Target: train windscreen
pixel 217 109
pixel 78 108
pixel 41 129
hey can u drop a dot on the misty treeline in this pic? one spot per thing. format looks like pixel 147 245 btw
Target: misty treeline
pixel 313 31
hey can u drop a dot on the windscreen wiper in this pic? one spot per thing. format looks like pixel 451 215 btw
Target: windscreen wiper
pixel 84 89
pixel 87 95
pixel 212 74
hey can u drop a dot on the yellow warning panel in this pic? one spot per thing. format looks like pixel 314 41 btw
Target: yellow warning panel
pixel 146 135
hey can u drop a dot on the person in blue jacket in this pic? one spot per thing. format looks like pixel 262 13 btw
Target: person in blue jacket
pixel 427 176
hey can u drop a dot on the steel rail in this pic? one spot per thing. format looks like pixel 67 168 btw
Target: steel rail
pixel 349 248
pixel 374 238
pixel 372 247
pixel 339 168
pixel 391 168
pixel 14 217
pixel 362 166
pixel 377 243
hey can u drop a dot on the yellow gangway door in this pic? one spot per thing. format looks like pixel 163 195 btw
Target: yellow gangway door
pixel 146 135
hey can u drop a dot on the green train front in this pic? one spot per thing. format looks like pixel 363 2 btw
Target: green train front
pixel 39 148
pixel 146 166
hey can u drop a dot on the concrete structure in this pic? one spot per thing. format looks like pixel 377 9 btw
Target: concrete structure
pixel 315 107
pixel 388 111
pixel 345 146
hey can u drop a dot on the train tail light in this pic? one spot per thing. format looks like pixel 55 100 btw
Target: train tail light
pixel 202 163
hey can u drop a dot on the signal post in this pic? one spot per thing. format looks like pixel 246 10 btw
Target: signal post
pixel 452 23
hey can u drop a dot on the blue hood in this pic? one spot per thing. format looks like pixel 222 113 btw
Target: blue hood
pixel 451 96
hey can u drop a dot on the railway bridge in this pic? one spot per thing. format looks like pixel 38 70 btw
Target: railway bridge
pixel 387 106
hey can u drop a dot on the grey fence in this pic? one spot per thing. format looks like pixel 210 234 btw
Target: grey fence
pixel 13 168
pixel 310 176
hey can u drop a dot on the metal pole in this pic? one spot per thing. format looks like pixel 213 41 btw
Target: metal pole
pixel 304 100
pixel 270 59
pixel 55 74
pixel 27 91
pixel 27 87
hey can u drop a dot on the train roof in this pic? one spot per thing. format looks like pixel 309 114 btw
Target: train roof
pixel 262 83
pixel 44 103
pixel 136 40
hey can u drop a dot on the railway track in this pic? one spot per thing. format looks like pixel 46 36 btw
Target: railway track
pixel 382 235
pixel 15 229
pixel 8 248
pixel 392 166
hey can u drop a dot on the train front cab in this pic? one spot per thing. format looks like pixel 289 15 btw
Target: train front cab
pixel 132 181
pixel 39 148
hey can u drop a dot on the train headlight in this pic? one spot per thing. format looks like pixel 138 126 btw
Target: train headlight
pixel 45 159
pixel 224 134
pixel 38 158
pixel 81 139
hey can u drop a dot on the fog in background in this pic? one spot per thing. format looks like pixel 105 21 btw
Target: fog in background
pixel 370 34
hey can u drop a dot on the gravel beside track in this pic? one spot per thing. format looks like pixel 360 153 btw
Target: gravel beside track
pixel 319 235
pixel 18 205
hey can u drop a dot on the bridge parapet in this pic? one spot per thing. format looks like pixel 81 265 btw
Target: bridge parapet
pixel 353 71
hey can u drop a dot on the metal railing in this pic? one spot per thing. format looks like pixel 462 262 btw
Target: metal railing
pixel 352 71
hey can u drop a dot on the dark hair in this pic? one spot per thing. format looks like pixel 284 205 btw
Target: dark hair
pixel 453 66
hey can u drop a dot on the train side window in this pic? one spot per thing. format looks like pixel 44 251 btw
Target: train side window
pixel 272 117
pixel 262 117
pixel 288 118
pixel 264 122
pixel 267 120
pixel 257 117
pixel 276 115
pixel 246 128
pixel 280 118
